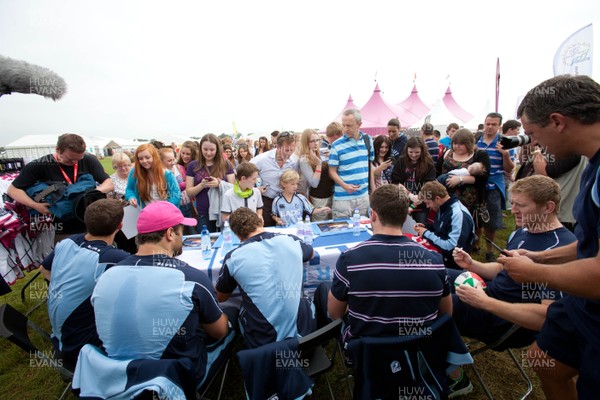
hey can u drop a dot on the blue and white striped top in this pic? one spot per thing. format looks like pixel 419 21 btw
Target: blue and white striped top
pixel 496 178
pixel 352 161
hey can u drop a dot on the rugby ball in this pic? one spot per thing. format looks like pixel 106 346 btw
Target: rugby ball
pixel 469 278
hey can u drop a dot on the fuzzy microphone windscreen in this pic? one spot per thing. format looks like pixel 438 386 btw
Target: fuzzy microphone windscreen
pixel 22 77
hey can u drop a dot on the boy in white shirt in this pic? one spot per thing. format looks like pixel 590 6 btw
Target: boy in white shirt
pixel 243 193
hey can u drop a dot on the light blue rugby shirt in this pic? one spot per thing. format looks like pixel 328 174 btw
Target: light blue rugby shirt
pixel 352 161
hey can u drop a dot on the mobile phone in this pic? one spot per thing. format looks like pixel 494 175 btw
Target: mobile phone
pixel 502 251
pixel 209 178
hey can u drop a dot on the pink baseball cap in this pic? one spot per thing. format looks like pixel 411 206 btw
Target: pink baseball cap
pixel 161 215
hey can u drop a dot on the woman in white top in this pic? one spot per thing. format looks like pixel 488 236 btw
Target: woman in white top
pixel 121 163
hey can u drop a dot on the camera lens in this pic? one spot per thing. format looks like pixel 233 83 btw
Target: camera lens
pixel 509 142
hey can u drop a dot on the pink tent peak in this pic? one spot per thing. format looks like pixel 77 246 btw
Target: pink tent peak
pixel 454 108
pixel 349 105
pixel 376 114
pixel 414 108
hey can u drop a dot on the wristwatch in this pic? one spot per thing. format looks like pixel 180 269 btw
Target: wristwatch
pixel 461 179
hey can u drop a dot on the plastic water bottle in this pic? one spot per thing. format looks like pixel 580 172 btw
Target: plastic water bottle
pixel 308 233
pixel 356 222
pixel 299 226
pixel 227 238
pixel 206 248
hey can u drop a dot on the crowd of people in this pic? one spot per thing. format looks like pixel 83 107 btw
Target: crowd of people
pixel 454 191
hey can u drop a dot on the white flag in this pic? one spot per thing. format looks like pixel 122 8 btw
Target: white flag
pixel 574 56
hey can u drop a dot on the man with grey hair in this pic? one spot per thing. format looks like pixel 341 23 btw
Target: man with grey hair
pixel 349 163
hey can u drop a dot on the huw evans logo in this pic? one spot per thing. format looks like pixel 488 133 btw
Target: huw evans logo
pixel 44 359
pixel 414 393
pixel 288 359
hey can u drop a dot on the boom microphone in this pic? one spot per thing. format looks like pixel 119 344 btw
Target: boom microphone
pixel 22 77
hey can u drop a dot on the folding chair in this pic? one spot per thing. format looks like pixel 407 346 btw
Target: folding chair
pixel 99 376
pixel 500 345
pixel 312 347
pixel 13 326
pixel 223 365
pixel 410 366
pixel 222 350
pixel 275 371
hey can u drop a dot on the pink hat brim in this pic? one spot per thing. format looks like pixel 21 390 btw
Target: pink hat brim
pixel 189 222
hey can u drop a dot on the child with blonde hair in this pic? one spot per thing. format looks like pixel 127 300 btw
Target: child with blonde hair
pixel 289 205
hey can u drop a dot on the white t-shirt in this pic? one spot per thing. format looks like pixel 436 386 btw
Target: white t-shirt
pixel 231 201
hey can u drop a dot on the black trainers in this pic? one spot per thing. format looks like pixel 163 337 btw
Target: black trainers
pixel 460 387
pixel 490 257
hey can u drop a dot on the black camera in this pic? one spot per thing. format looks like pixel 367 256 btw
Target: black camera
pixel 509 142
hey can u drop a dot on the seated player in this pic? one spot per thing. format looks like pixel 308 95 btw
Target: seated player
pixel 154 306
pixel 487 314
pixel 268 270
pixel 73 268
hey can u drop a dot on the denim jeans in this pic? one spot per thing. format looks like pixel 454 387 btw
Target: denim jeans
pixel 203 220
pixel 186 210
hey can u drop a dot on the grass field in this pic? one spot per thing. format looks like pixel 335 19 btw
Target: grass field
pixel 107 164
pixel 24 378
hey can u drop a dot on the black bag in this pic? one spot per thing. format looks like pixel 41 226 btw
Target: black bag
pixel 481 215
pixel 83 200
pixel 368 146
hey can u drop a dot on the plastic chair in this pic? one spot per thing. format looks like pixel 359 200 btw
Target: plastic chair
pixel 312 347
pixel 393 367
pixel 223 357
pixel 13 326
pixel 502 344
pixel 223 366
pixel 286 369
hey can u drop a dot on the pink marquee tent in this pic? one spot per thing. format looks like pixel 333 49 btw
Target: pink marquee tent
pixel 349 105
pixel 443 112
pixel 376 114
pixel 413 107
pixel 454 108
pixel 411 112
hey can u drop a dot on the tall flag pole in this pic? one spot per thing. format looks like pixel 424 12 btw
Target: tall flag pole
pixel 574 56
pixel 497 82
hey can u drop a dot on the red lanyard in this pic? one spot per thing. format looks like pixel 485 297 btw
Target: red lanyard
pixel 65 174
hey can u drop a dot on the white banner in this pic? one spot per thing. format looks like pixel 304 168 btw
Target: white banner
pixel 574 56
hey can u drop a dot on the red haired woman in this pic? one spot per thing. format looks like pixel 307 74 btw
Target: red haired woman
pixel 149 181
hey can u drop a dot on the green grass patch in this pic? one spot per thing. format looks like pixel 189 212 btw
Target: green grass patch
pixel 107 164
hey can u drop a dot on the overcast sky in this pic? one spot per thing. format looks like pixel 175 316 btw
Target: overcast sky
pixel 146 69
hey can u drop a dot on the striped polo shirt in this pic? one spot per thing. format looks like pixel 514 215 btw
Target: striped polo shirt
pixel 389 282
pixel 496 178
pixel 433 148
pixel 351 158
